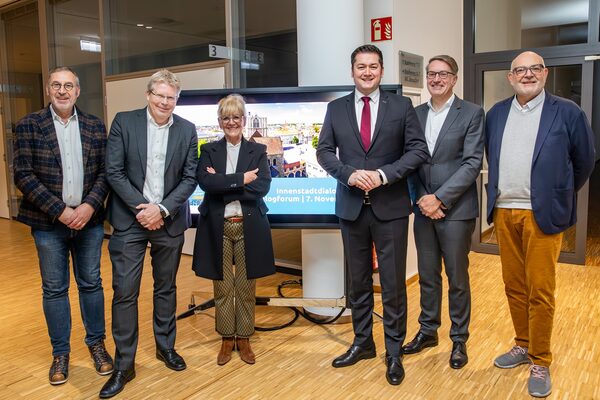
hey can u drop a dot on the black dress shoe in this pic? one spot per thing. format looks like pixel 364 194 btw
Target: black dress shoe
pixel 420 342
pixel 171 359
pixel 116 383
pixel 395 370
pixel 459 358
pixel 354 355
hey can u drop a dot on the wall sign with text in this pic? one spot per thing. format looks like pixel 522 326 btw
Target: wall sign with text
pixel 381 29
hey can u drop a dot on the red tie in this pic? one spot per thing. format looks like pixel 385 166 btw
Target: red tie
pixel 365 123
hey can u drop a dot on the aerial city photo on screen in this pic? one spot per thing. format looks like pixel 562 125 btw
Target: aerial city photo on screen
pixel 290 131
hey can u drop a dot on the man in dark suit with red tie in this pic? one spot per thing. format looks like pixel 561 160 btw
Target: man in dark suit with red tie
pixel 370 141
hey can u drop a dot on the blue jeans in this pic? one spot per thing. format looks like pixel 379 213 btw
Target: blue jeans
pixel 54 248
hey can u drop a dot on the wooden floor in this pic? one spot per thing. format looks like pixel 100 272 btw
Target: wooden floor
pixel 295 363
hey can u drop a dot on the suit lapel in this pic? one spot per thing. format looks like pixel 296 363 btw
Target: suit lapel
pixel 381 110
pixel 450 118
pixel 172 143
pixel 86 137
pixel 220 160
pixel 546 120
pixel 422 112
pixel 49 133
pixel 503 110
pixel 244 157
pixel 141 134
pixel 351 109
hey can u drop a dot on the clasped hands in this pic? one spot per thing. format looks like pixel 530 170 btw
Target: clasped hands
pixel 365 179
pixel 76 218
pixel 150 217
pixel 431 206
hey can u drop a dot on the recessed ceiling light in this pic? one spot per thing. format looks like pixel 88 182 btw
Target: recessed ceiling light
pixel 140 25
pixel 148 27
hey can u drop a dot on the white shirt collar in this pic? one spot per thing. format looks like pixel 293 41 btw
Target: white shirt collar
pixel 531 104
pixel 229 145
pixel 374 95
pixel 151 120
pixel 57 117
pixel 445 106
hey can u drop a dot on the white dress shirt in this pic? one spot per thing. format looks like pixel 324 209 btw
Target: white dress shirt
pixel 435 121
pixel 233 208
pixel 71 155
pixel 158 138
pixel 359 104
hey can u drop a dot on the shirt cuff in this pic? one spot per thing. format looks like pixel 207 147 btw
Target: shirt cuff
pixel 164 209
pixel 383 177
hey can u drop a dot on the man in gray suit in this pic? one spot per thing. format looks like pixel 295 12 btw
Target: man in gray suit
pixel 446 205
pixel 151 163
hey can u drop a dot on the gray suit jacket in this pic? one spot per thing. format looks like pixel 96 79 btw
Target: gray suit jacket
pixel 452 171
pixel 126 155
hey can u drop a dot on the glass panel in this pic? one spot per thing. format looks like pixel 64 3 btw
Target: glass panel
pixel 275 38
pixel 74 39
pixel 151 34
pixel 22 87
pixel 564 81
pixel 516 24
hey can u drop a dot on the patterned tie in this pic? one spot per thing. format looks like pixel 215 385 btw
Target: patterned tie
pixel 365 123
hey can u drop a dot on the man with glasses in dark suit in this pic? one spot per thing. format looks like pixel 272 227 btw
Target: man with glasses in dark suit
pixel 151 167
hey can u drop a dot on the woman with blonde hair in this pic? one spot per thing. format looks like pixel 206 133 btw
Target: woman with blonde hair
pixel 233 241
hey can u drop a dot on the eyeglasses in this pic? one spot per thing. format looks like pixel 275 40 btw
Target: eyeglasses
pixel 168 99
pixel 535 69
pixel 441 74
pixel 235 119
pixel 57 85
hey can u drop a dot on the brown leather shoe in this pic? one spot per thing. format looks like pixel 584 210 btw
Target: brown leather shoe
pixel 224 355
pixel 59 370
pixel 103 362
pixel 246 354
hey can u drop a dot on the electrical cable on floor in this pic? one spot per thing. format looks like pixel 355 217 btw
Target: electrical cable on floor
pixel 298 312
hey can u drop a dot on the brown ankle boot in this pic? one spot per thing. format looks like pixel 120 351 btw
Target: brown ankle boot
pixel 226 348
pixel 246 354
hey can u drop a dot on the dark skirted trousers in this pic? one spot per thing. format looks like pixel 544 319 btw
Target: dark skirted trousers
pixel 235 294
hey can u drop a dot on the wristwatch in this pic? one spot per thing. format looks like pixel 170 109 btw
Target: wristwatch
pixel 163 212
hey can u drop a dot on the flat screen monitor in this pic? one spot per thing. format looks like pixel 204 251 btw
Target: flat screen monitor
pixel 288 121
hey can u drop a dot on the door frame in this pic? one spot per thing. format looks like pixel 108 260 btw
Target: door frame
pixel 587 85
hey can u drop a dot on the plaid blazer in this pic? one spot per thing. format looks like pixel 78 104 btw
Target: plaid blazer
pixel 38 168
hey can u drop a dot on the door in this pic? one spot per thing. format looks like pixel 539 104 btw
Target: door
pixel 21 80
pixel 572 78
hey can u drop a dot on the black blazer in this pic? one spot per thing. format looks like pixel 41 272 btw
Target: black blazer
pixel 398 147
pixel 220 189
pixel 452 172
pixel 126 155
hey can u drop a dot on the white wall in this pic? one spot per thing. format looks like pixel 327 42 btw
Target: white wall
pixel 428 29
pixel 129 94
pixel 328 32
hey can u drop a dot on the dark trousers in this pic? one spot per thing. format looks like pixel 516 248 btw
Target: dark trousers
pixel 390 238
pixel 127 251
pixel 450 241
